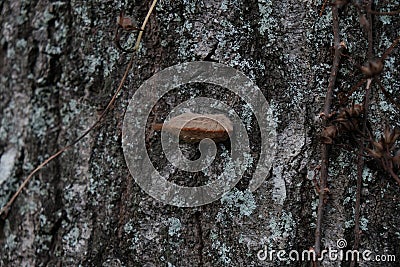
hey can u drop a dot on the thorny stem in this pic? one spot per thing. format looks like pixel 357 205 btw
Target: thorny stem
pixel 4 211
pixel 325 147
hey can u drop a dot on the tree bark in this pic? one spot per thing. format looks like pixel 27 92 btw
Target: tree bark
pixel 59 68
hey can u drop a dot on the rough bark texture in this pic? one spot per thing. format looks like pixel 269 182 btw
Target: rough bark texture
pixel 59 68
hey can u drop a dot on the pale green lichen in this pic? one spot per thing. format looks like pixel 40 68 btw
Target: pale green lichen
pixel 43 241
pixel 10 52
pixel 349 224
pixel 222 249
pixel 224 6
pixel 346 200
pixel 367 175
pixel 281 227
pixel 41 122
pixel 97 57
pixel 268 23
pixel 52 50
pixel 69 111
pixel 265 28
pixel 364 224
pixel 129 227
pixel 229 166
pixel 247 116
pixel 242 200
pixel 71 238
pixel 21 44
pixel 135 241
pixel 174 227
pixel 41 21
pixel 11 242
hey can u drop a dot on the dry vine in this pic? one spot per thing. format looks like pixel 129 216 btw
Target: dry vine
pixel 323 187
pixel 353 120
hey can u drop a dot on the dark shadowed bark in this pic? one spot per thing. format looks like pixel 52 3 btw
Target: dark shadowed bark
pixel 59 67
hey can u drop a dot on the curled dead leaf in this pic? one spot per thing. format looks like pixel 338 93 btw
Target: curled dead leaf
pixel 390 136
pixel 373 153
pixel 328 134
pixel 373 67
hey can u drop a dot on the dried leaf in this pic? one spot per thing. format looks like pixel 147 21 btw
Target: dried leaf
pixel 374 153
pixel 372 68
pixel 192 127
pixel 378 147
pixel 390 136
pixel 328 134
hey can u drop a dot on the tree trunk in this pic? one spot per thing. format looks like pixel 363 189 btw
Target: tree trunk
pixel 59 68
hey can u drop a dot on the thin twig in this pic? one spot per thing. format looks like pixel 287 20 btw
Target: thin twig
pixel 352 90
pixel 360 168
pixel 136 48
pixel 325 147
pixel 4 211
pixel 369 32
pixel 387 13
pixel 387 94
pixel 369 10
pixel 360 161
pixel 323 8
pixel 390 49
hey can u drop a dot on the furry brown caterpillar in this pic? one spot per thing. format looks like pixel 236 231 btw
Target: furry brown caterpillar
pixel 192 127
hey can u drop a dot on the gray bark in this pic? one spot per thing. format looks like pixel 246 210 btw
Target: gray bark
pixel 59 68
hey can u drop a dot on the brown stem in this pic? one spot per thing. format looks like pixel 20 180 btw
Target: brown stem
pixel 394 175
pixel 325 147
pixel 360 163
pixel 387 95
pixel 352 90
pixel 323 8
pixel 360 168
pixel 369 32
pixel 388 166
